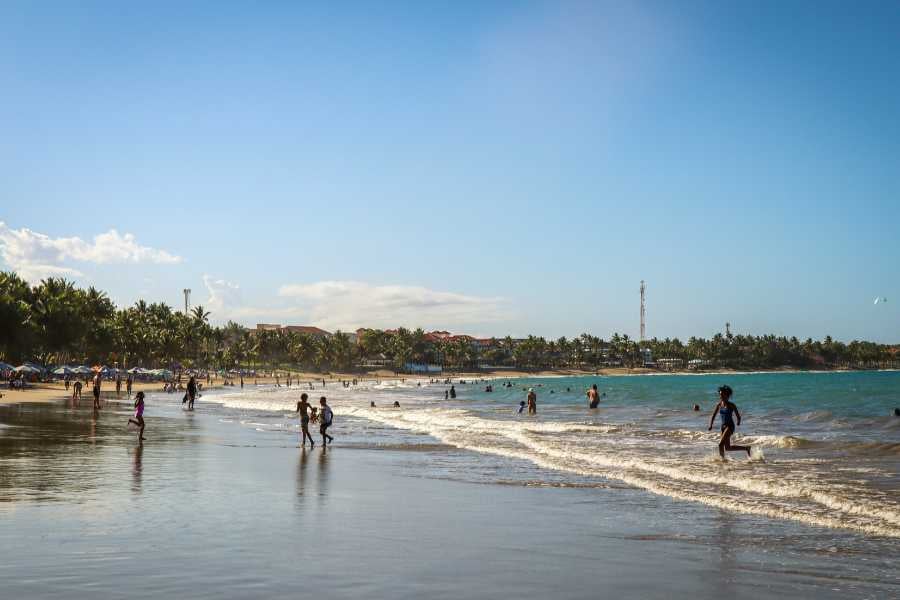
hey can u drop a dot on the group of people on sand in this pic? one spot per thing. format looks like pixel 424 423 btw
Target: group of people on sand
pixel 310 413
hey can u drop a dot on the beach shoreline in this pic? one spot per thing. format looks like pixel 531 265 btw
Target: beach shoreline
pixel 56 392
pixel 254 516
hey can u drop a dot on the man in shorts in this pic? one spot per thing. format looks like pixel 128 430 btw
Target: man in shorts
pixel 98 380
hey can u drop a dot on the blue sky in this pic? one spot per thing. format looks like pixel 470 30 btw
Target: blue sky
pixel 494 168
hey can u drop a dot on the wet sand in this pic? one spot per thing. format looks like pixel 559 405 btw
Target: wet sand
pixel 204 509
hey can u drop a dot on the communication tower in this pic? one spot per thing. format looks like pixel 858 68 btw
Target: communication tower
pixel 187 299
pixel 643 312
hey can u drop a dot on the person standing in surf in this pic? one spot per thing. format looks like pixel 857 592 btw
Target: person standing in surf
pixel 727 410
pixel 532 402
pixel 192 392
pixel 139 415
pixel 593 397
pixel 303 409
pixel 98 381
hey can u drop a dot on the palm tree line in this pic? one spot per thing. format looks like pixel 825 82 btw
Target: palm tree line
pixel 54 322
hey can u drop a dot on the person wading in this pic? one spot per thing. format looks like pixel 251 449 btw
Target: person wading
pixel 725 409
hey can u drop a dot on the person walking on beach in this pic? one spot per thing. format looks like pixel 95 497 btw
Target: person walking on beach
pixel 532 402
pixel 303 409
pixel 593 397
pixel 452 392
pixel 192 392
pixel 725 409
pixel 139 415
pixel 128 383
pixel 327 418
pixel 76 391
pixel 98 381
pixel 118 385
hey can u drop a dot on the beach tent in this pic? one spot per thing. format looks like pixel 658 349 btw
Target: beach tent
pixel 64 371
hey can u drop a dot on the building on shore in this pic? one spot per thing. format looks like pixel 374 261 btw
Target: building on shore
pixel 305 329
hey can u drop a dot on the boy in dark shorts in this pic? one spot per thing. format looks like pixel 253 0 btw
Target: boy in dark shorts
pixel 326 418
pixel 303 409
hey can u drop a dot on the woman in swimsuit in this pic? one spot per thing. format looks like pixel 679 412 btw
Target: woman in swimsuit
pixel 139 414
pixel 725 408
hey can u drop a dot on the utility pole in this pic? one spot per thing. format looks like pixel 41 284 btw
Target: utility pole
pixel 187 300
pixel 643 312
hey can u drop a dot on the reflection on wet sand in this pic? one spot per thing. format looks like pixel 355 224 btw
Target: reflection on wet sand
pixel 54 452
pixel 137 468
pixel 319 485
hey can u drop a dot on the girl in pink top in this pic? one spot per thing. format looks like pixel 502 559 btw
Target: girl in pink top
pixel 139 414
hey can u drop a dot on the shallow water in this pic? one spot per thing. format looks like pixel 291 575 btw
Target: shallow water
pixel 826 445
pixel 224 492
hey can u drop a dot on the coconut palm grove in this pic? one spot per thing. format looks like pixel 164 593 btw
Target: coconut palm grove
pixel 55 323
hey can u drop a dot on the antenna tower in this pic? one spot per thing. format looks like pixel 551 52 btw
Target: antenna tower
pixel 643 312
pixel 187 299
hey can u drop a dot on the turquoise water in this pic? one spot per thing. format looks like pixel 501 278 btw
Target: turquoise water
pixel 853 394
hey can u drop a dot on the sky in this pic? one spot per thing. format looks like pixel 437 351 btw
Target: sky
pixel 483 167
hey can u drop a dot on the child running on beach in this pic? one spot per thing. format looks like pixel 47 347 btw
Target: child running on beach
pixel 327 418
pixel 725 408
pixel 313 414
pixel 303 408
pixel 139 414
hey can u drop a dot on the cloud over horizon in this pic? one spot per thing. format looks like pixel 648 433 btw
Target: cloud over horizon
pixel 348 305
pixel 352 304
pixel 35 255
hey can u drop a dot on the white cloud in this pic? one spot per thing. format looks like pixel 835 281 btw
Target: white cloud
pixel 347 305
pixel 351 304
pixel 35 255
pixel 224 297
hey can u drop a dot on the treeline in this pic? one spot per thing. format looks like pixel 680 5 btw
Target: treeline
pixel 55 322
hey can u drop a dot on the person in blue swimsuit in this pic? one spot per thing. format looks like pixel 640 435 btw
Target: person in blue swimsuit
pixel 727 410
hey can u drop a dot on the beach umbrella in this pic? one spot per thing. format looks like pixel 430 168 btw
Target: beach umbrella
pixel 6 367
pixel 26 369
pixel 63 371
pixel 135 370
pixel 82 370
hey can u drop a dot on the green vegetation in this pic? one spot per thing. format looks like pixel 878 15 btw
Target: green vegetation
pixel 56 323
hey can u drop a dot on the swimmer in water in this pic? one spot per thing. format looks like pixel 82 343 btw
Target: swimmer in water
pixel 725 409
